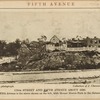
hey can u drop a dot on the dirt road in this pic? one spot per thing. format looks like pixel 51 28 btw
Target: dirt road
pixel 50 77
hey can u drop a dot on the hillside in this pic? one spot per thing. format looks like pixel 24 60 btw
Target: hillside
pixel 39 59
pixel 35 57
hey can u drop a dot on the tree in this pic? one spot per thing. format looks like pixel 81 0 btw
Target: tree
pixel 12 48
pixel 43 38
pixel 2 47
pixel 26 42
pixel 64 40
pixel 18 43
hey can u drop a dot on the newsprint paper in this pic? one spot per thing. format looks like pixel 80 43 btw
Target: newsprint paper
pixel 49 49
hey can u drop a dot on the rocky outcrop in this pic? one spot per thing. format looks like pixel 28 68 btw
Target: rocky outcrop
pixel 62 60
pixel 35 57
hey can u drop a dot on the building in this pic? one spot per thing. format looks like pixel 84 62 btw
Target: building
pixel 92 42
pixel 75 43
pixel 55 44
pixel 85 44
pixel 55 39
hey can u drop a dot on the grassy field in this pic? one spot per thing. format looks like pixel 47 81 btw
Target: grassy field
pixel 52 77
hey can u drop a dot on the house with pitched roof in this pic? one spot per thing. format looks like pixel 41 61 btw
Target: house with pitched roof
pixel 72 45
pixel 55 39
pixel 55 44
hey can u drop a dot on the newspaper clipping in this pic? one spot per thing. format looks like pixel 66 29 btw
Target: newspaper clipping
pixel 49 49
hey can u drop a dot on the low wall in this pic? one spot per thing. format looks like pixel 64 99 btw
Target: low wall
pixel 51 48
pixel 81 49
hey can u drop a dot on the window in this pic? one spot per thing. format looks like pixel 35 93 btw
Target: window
pixel 89 45
pixel 57 44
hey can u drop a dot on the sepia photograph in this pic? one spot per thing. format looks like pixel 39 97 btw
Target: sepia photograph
pixel 50 46
pixel 49 49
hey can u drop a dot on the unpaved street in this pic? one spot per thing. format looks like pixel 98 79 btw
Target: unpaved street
pixel 57 77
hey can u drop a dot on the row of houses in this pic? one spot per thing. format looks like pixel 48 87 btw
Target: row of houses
pixel 73 44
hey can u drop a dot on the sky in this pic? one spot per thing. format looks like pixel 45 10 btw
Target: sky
pixel 63 23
